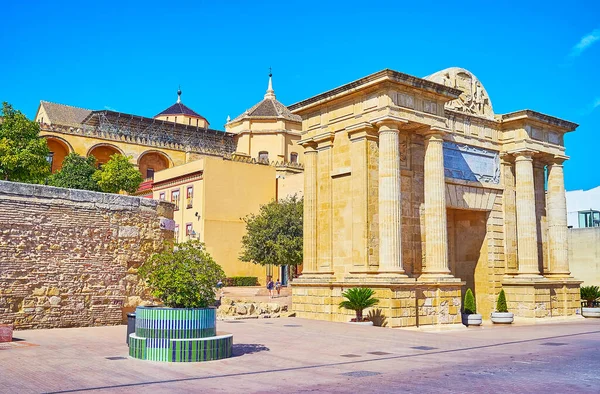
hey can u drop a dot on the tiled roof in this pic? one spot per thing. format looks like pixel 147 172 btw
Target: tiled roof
pixel 64 115
pixel 269 108
pixel 180 109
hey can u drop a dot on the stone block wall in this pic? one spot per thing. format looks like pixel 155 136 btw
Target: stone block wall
pixel 584 255
pixel 400 305
pixel 69 258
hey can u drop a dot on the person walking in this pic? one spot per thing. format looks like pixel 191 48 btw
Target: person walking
pixel 278 287
pixel 270 286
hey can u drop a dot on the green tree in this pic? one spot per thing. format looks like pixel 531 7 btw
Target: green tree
pixel 77 172
pixel 469 304
pixel 23 154
pixel 118 174
pixel 274 235
pixel 184 277
pixel 501 304
pixel 358 299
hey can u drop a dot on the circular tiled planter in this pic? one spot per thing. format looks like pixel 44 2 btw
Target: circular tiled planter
pixel 178 334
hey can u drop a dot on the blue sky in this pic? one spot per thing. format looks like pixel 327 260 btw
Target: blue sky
pixel 131 56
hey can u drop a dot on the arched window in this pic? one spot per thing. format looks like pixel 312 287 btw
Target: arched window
pixel 293 157
pixel 263 156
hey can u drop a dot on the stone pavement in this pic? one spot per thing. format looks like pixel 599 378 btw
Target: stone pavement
pixel 295 355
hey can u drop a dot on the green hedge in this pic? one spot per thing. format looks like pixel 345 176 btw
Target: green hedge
pixel 241 281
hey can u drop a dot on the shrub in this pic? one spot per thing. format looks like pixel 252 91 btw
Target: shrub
pixel 501 304
pixel 241 281
pixel 589 294
pixel 469 304
pixel 184 277
pixel 357 299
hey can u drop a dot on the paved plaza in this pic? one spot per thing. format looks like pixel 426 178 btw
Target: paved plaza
pixel 291 355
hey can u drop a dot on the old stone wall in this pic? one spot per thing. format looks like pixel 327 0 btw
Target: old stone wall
pixel 69 258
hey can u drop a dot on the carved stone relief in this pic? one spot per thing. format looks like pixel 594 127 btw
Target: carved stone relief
pixel 474 100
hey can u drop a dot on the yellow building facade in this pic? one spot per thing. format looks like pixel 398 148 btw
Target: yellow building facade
pixel 212 196
pixel 415 188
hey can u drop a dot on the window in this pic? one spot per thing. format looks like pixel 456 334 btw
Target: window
pixel 189 231
pixel 50 158
pixel 175 198
pixel 189 121
pixel 263 156
pixel 294 157
pixel 176 119
pixel 189 195
pixel 589 218
pixel 150 173
pixel 176 233
pixel 162 196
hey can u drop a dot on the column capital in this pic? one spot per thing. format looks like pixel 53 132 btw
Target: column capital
pixel 557 160
pixel 324 140
pixel 361 131
pixel 388 122
pixel 435 132
pixel 523 154
pixel 506 158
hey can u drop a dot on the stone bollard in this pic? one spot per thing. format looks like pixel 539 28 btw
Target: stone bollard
pixel 6 331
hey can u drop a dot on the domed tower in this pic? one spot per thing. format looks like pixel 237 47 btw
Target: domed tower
pixel 268 131
pixel 180 113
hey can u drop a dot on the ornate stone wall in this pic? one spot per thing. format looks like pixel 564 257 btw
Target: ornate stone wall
pixel 69 258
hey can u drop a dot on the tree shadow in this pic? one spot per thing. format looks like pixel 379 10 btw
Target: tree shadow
pixel 240 349
pixel 377 317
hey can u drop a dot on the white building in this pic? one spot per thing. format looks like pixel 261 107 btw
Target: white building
pixel 583 208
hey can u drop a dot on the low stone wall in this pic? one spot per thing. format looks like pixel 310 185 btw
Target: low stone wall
pixel 69 258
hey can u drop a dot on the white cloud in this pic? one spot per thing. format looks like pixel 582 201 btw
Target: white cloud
pixel 596 104
pixel 585 42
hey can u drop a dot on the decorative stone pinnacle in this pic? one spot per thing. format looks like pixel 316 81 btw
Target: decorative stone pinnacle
pixel 270 92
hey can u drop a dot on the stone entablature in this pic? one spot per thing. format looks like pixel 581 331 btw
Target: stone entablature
pixel 398 168
pixel 69 258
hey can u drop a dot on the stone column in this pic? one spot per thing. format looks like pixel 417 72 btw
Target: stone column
pixel 310 208
pixel 436 231
pixel 510 214
pixel 527 247
pixel 390 213
pixel 557 220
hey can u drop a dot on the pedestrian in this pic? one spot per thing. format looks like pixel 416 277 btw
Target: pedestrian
pixel 278 287
pixel 270 286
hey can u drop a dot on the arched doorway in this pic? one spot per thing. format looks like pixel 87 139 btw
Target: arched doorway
pixel 151 162
pixel 58 151
pixel 102 153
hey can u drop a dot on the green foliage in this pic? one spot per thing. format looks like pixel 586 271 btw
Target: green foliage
pixel 185 277
pixel 469 304
pixel 501 304
pixel 23 154
pixel 274 236
pixel 76 173
pixel 589 294
pixel 358 299
pixel 118 174
pixel 241 281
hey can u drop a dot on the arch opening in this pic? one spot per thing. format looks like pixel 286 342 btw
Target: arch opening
pixel 151 162
pixel 58 151
pixel 102 153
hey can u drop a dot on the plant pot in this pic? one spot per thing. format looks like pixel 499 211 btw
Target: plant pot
pixel 502 317
pixel 590 312
pixel 361 323
pixel 473 319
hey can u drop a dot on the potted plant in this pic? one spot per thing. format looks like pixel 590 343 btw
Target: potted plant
pixel 502 315
pixel 184 329
pixel 357 300
pixel 470 316
pixel 590 294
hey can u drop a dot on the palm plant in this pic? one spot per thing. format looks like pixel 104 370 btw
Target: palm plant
pixel 589 294
pixel 358 299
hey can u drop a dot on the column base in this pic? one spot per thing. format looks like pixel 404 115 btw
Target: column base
pixel 438 277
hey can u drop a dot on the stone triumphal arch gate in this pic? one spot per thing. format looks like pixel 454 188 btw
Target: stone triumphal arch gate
pixel 415 188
